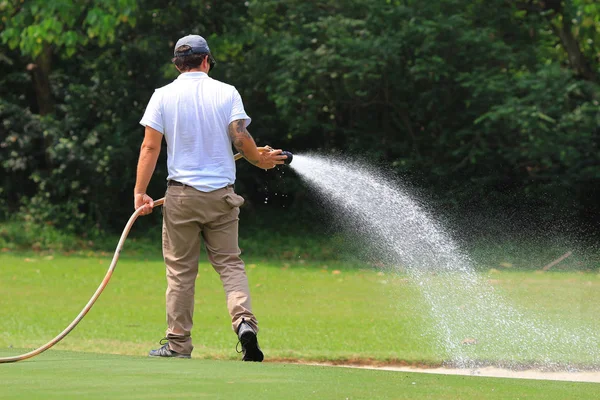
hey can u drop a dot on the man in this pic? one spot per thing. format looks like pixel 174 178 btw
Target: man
pixel 200 118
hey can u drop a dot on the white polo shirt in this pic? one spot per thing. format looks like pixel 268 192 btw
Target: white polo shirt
pixel 193 113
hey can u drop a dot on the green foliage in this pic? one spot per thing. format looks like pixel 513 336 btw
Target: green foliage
pixel 31 25
pixel 36 236
pixel 478 100
pixel 540 112
pixel 30 231
pixel 273 245
pixel 412 85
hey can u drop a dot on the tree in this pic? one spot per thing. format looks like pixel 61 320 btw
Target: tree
pixel 41 29
pixel 576 23
pixel 484 99
pixel 60 161
pixel 471 93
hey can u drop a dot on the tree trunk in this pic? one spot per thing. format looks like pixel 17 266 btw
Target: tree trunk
pixel 564 30
pixel 40 74
pixel 576 58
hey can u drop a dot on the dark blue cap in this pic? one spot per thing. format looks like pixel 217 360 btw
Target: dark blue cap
pixel 197 43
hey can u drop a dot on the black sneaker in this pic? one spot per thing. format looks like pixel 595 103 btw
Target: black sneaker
pixel 164 351
pixel 249 343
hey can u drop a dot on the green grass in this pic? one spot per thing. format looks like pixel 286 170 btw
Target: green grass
pixel 69 375
pixel 328 311
pixel 308 311
pixel 303 309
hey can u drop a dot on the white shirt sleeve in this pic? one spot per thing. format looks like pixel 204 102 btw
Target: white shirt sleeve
pixel 153 115
pixel 237 109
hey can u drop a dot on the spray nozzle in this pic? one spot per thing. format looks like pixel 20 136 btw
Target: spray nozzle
pixel 289 158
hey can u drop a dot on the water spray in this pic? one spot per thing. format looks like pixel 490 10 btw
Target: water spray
pixel 104 282
pixel 472 321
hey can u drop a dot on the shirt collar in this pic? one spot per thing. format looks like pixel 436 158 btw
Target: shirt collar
pixel 192 75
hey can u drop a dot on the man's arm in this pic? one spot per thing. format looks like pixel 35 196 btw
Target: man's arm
pixel 149 153
pixel 244 143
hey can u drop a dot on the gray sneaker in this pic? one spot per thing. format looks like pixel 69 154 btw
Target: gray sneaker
pixel 249 343
pixel 165 351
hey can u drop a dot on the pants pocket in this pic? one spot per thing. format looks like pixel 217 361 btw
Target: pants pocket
pixel 234 200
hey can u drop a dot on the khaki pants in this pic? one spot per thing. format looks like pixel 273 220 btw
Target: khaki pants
pixel 188 215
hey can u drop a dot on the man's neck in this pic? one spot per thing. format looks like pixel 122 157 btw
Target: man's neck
pixel 195 70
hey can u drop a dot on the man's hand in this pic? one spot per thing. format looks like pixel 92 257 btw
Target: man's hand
pixel 145 201
pixel 270 158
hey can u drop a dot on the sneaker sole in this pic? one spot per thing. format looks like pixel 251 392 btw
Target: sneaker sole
pixel 177 356
pixel 250 343
pixel 172 355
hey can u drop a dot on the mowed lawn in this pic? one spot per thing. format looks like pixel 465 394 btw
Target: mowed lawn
pixel 308 312
pixel 68 375
pixel 312 312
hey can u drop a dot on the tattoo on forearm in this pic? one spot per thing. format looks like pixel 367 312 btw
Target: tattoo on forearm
pixel 238 133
